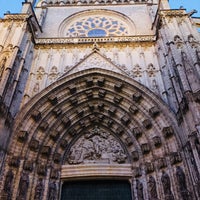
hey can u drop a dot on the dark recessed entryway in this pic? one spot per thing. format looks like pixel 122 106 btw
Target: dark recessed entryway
pixel 96 190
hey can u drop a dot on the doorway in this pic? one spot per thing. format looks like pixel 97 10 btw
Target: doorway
pixel 96 190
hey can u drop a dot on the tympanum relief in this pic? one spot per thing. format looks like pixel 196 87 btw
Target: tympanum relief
pixel 97 146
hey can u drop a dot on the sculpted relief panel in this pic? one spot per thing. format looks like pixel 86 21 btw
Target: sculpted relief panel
pixel 97 146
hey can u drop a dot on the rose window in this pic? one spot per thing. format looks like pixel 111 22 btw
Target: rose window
pixel 97 26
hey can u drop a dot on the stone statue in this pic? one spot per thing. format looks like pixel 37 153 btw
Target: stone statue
pixel 139 188
pixel 180 175
pixel 23 186
pixel 8 184
pixel 167 186
pixel 2 67
pixel 197 145
pixel 39 189
pixel 152 189
pixel 52 191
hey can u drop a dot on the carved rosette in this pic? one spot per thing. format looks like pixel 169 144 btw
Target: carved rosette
pixel 97 146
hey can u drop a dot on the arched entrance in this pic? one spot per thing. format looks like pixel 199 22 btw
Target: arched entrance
pixel 94 124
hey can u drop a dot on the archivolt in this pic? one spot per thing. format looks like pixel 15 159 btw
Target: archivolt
pixel 49 123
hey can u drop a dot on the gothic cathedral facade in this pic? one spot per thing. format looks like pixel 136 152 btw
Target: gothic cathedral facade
pixel 99 99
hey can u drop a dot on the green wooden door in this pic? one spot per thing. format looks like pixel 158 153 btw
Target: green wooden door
pixel 96 190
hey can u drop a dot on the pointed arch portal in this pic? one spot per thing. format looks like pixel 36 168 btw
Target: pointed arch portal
pixel 92 125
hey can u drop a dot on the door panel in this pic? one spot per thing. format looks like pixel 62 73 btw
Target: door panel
pixel 96 190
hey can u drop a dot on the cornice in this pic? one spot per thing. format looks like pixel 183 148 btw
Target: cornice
pixel 52 41
pixel 173 13
pixel 16 17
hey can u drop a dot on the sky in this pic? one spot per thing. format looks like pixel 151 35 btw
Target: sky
pixel 14 6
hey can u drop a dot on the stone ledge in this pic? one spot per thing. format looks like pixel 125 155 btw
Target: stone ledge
pixel 96 170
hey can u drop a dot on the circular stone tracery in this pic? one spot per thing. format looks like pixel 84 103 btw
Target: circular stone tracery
pixel 97 26
pixel 97 23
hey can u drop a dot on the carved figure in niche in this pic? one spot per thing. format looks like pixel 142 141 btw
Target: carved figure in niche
pixel 180 175
pixel 95 147
pixel 155 86
pixel 2 67
pixel 1 158
pixel 152 189
pixel 8 184
pixel 139 188
pixel 23 186
pixel 52 191
pixel 39 189
pixel 197 145
pixel 167 186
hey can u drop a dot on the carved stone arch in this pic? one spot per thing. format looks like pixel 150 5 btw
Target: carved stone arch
pixel 49 123
pixel 123 19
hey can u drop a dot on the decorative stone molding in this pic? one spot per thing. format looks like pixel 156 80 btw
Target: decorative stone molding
pixel 117 99
pixel 133 109
pixel 137 96
pixel 154 111
pixel 125 119
pixel 36 115
pixel 145 148
pixel 96 170
pixel 54 135
pixel 62 41
pixel 54 173
pixel 22 136
pixel 137 171
pixel 147 123
pixel 53 100
pixel 175 157
pixel 44 126
pixel 89 94
pixel 14 161
pixel 137 132
pixel 112 110
pixel 157 141
pixel 34 145
pixel 149 166
pixel 168 131
pixel 118 86
pixel 45 151
pixel 102 93
pixel 28 165
pixel 129 141
pixel 101 81
pixel 135 155
pixel 66 121
pixel 63 144
pixel 72 89
pixel 57 111
pixel 57 158
pixel 73 101
pixel 42 169
pixel 162 163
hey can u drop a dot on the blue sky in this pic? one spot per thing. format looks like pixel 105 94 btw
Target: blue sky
pixel 14 6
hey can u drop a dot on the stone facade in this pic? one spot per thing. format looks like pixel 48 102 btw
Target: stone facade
pixel 100 90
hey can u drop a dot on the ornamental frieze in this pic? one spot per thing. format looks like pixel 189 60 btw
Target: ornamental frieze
pixel 49 41
pixel 97 146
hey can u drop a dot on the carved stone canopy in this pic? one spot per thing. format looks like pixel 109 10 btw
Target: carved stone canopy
pixel 97 146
